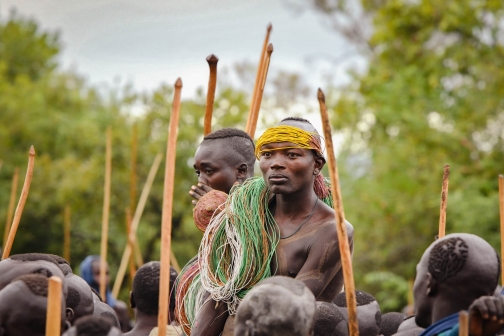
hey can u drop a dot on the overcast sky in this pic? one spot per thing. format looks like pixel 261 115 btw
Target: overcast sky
pixel 149 42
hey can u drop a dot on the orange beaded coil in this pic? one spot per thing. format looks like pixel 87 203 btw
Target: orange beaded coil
pixel 206 206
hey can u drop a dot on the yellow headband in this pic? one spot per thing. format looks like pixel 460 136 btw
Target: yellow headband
pixel 283 133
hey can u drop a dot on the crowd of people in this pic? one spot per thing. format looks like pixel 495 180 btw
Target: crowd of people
pixel 268 264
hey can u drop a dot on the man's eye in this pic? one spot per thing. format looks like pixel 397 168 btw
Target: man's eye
pixel 197 172
pixel 266 154
pixel 208 171
pixel 292 155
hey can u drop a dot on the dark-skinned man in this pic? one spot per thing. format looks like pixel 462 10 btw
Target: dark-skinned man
pixel 298 236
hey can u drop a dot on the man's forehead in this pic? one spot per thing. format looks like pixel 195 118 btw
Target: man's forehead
pixel 299 124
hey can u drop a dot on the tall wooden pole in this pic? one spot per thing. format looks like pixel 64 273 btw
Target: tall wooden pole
pixel 133 172
pixel 344 246
pixel 501 208
pixel 166 225
pixel 257 104
pixel 53 317
pixel 10 209
pixel 463 323
pixel 258 81
pixel 66 234
pixel 212 83
pixel 21 204
pixel 132 269
pixel 105 217
pixel 134 224
pixel 444 200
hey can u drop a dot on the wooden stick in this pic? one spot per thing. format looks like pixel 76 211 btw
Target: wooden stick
pixel 501 208
pixel 53 316
pixel 132 269
pixel 66 234
pixel 10 209
pixel 174 262
pixel 463 323
pixel 21 204
pixel 258 77
pixel 137 253
pixel 105 217
pixel 257 103
pixel 346 256
pixel 444 200
pixel 166 224
pixel 134 224
pixel 133 172
pixel 212 83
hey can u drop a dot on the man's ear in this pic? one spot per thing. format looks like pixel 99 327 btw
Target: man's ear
pixel 432 285
pixel 242 172
pixel 69 314
pixel 319 163
pixel 132 300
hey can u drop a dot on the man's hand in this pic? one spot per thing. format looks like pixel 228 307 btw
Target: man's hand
pixel 198 191
pixel 486 315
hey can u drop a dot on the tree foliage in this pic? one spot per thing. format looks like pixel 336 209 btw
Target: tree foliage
pixel 432 94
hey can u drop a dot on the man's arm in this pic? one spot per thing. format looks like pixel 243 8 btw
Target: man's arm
pixel 324 262
pixel 210 320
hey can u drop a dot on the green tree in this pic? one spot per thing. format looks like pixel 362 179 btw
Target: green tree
pixel 431 94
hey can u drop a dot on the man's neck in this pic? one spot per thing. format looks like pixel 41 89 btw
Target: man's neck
pixel 295 204
pixel 144 323
pixel 444 308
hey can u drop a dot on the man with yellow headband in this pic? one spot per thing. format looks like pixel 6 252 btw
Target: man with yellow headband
pixel 279 224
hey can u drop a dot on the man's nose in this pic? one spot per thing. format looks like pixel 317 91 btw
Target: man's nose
pixel 277 162
pixel 202 179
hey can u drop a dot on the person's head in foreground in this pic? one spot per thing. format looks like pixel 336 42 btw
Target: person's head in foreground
pixel 276 306
pixel 329 321
pixel 144 297
pixel 390 323
pixel 79 301
pixel 23 306
pixel 291 157
pixel 93 326
pixel 223 158
pixel 454 271
pixel 101 309
pixel 368 312
pixel 29 263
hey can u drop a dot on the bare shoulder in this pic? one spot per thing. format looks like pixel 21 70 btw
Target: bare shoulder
pixel 327 224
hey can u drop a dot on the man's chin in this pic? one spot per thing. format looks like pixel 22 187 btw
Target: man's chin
pixel 279 189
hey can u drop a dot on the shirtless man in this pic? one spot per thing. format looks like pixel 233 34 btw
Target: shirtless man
pixel 308 247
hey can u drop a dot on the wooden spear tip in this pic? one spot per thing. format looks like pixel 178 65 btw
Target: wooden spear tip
pixel 501 176
pixel 320 95
pixel 178 83
pixel 212 59
pixel 446 171
pixel 270 26
pixel 270 48
pixel 32 151
pixel 56 279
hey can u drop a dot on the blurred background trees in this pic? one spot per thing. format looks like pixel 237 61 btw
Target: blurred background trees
pixel 431 93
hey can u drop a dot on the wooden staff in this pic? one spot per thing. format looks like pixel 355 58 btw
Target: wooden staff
pixel 53 316
pixel 166 224
pixel 463 323
pixel 105 217
pixel 212 83
pixel 66 234
pixel 444 200
pixel 132 269
pixel 10 209
pixel 258 77
pixel 257 103
pixel 21 204
pixel 134 224
pixel 501 208
pixel 344 247
pixel 133 173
